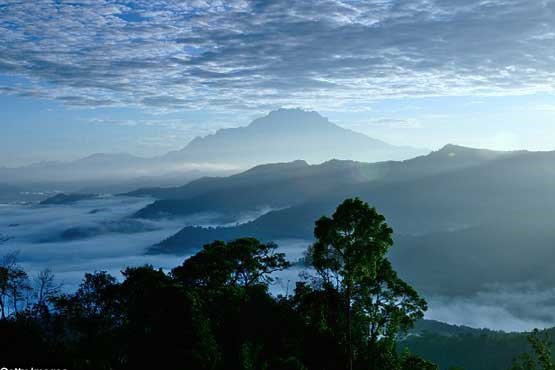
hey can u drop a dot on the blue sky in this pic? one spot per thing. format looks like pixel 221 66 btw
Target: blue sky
pixel 78 77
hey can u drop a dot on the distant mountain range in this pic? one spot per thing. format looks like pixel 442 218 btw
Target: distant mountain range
pixel 281 136
pixel 464 218
pixel 282 185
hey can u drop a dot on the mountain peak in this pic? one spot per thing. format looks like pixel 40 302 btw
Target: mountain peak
pixel 450 147
pixel 295 112
pixel 291 118
pixel 285 135
pixel 274 167
pixel 453 149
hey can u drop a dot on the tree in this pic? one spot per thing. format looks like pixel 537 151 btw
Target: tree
pixel 386 304
pixel 349 255
pixel 46 289
pixel 14 284
pixel 8 263
pixel 4 276
pixel 242 262
pixel 541 358
pixel 91 319
pixel 409 361
pixel 164 324
pixel 18 286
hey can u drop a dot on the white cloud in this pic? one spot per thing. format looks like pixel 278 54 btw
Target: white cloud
pixel 509 308
pixel 112 243
pixel 258 55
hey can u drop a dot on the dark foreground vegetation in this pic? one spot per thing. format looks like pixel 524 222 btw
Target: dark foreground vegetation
pixel 215 311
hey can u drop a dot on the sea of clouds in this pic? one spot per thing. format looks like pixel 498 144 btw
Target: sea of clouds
pixel 35 232
pixel 108 238
pixel 113 240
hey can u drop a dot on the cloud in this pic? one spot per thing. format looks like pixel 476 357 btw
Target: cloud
pixel 395 123
pixel 105 239
pixel 518 307
pixel 240 54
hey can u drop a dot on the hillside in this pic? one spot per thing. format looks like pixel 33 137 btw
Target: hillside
pixel 274 186
pixel 289 184
pixel 477 223
pixel 62 198
pixel 472 349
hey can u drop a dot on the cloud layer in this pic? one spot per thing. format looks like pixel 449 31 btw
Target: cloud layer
pixel 35 232
pixel 93 235
pixel 240 54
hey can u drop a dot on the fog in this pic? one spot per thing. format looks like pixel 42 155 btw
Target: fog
pixel 509 308
pixel 112 241
pixel 91 235
pixel 35 232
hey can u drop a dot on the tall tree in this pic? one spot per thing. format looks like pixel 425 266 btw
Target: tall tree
pixel 4 276
pixel 14 283
pixel 18 286
pixel 45 289
pixel 7 264
pixel 349 255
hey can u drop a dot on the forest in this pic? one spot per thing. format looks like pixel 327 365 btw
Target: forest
pixel 216 311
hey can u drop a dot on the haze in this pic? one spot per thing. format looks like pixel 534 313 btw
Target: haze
pixel 145 78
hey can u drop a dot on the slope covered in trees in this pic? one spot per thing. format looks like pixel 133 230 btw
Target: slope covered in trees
pixel 215 311
pixel 453 347
pixel 295 183
pixel 459 210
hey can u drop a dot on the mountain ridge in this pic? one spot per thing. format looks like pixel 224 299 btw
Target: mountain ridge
pixel 288 130
pixel 462 223
pixel 283 135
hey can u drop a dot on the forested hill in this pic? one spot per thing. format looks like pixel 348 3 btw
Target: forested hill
pixel 289 184
pixel 460 210
pixel 472 349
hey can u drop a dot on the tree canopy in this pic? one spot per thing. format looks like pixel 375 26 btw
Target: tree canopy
pixel 216 310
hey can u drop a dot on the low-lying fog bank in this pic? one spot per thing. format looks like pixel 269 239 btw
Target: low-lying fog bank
pixel 94 235
pixel 89 235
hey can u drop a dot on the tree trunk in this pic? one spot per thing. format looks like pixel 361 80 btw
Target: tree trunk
pixel 2 308
pixel 349 328
pixel 14 292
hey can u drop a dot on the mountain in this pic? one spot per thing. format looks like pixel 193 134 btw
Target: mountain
pixel 464 219
pixel 267 186
pixel 65 199
pixel 288 184
pixel 118 165
pixel 283 135
pixel 287 135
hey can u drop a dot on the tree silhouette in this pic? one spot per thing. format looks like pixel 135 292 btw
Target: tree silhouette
pixel 349 255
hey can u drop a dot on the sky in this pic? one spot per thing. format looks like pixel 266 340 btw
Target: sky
pixel 145 77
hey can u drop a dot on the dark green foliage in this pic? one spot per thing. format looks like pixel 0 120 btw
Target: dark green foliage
pixel 412 362
pixel 215 311
pixel 349 257
pixel 541 356
pixel 459 348
pixel 242 262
